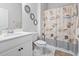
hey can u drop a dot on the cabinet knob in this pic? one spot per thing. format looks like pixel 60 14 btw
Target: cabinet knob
pixel 19 49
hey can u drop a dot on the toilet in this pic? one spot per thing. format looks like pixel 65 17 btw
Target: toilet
pixel 42 48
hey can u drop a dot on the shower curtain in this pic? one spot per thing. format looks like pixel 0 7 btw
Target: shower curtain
pixel 59 27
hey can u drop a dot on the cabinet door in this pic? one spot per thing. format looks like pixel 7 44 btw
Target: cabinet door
pixel 12 52
pixel 26 48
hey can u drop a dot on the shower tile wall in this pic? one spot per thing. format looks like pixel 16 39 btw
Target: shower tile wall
pixel 59 27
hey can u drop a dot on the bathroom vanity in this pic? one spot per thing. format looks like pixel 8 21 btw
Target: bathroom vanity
pixel 17 44
pixel 12 41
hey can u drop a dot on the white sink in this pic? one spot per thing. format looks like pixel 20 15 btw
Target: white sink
pixel 7 36
pixel 12 34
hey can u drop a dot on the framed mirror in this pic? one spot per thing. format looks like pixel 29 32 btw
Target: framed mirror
pixel 35 22
pixel 32 16
pixel 27 9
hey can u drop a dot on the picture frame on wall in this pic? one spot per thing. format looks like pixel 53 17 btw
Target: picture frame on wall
pixel 35 22
pixel 27 8
pixel 32 16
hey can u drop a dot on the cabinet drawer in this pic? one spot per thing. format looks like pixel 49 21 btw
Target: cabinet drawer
pixel 24 49
pixel 9 44
pixel 11 52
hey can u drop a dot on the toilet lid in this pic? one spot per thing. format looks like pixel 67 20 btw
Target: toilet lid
pixel 41 42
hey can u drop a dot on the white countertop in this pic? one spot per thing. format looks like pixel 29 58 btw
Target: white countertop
pixel 7 36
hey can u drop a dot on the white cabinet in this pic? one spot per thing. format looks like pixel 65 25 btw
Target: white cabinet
pixel 26 49
pixel 21 46
pixel 12 52
pixel 22 50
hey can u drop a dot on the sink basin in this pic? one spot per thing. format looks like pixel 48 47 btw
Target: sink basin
pixel 7 36
pixel 11 34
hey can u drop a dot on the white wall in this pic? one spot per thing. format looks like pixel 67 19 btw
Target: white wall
pixel 14 14
pixel 28 25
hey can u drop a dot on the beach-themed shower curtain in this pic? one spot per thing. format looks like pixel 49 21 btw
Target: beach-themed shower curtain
pixel 59 27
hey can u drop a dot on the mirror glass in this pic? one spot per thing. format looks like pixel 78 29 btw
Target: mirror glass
pixel 3 18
